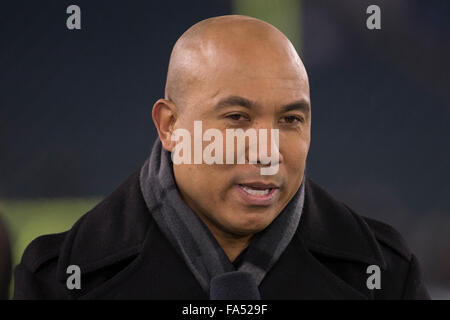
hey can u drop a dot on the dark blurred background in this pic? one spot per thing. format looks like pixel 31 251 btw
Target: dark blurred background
pixel 75 107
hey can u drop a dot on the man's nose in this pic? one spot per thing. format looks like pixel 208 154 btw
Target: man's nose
pixel 265 149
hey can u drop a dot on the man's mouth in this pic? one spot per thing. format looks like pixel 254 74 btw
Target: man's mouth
pixel 258 193
pixel 255 192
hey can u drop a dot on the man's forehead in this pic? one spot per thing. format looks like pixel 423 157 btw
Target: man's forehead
pixel 256 80
pixel 260 88
pixel 256 99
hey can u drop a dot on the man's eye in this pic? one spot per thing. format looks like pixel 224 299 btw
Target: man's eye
pixel 291 119
pixel 236 117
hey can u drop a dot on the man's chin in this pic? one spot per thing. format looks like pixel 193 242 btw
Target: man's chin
pixel 249 226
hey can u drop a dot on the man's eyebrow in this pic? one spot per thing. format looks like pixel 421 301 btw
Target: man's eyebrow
pixel 300 105
pixel 235 101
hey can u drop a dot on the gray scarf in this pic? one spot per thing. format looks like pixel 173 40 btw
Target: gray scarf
pixel 192 239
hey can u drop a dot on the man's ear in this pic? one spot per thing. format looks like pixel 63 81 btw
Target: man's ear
pixel 164 116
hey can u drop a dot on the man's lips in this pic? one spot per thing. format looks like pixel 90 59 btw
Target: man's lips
pixel 259 185
pixel 258 193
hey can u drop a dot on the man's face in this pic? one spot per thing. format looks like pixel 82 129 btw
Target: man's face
pixel 225 196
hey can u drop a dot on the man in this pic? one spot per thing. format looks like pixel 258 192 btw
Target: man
pixel 202 229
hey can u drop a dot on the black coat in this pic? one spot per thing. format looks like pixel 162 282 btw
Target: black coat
pixel 123 255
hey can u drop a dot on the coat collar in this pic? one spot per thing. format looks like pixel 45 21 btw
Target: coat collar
pixel 330 228
pixel 121 223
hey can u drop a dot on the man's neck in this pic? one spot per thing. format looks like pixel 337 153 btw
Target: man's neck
pixel 233 247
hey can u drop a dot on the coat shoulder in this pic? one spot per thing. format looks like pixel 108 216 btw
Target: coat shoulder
pixel 388 236
pixel 107 235
pixel 42 249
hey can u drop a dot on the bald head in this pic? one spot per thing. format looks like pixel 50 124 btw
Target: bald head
pixel 231 43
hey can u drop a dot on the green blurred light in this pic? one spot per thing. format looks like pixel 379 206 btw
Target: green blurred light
pixel 283 14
